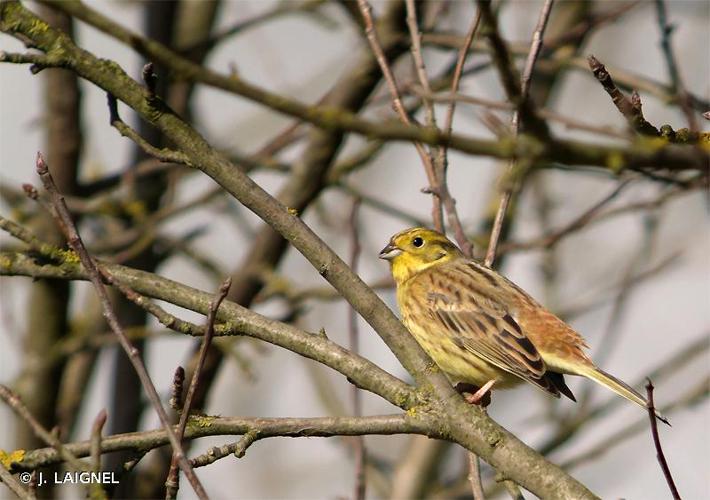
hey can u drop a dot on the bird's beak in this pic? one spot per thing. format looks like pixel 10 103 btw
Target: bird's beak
pixel 390 251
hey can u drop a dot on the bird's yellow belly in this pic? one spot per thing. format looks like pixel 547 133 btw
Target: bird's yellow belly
pixel 459 364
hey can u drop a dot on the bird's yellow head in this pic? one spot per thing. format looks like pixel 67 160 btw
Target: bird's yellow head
pixel 413 250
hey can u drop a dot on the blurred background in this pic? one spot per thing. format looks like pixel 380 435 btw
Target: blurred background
pixel 633 278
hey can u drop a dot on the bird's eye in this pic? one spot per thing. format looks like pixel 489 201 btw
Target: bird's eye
pixel 417 242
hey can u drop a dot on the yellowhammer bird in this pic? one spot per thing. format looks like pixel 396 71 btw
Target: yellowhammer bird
pixel 481 328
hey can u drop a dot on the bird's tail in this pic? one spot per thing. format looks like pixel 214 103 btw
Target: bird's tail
pixel 621 388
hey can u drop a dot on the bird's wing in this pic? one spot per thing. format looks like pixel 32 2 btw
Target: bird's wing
pixel 493 335
pixel 483 326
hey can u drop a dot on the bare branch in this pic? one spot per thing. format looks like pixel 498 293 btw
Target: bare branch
pixel 222 426
pixel 238 321
pixel 353 340
pixel 676 79
pixel 171 483
pixel 442 158
pixel 630 108
pixel 419 65
pixel 524 111
pixel 96 429
pixel 13 401
pixel 14 485
pixel 162 154
pixel 657 442
pixel 64 220
pixel 366 11
pixel 474 477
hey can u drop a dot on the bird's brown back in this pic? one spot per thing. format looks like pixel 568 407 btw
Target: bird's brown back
pixel 560 346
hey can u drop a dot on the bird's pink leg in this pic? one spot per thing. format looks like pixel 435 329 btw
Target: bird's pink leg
pixel 477 396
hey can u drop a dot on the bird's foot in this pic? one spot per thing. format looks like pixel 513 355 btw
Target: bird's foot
pixel 476 395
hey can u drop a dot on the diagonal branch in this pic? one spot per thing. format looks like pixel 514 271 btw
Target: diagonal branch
pixel 171 483
pixel 524 114
pixel 657 442
pixel 64 220
pixel 238 321
pixel 366 11
pixel 677 83
pixel 629 108
pixel 14 402
pixel 442 158
pixel 467 426
pixel 14 485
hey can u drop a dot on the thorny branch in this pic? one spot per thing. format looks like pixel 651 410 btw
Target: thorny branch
pixel 657 442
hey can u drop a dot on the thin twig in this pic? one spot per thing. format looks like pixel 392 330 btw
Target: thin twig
pixel 629 108
pixel 280 9
pixel 657 441
pixel 172 481
pixel 591 22
pixel 96 429
pixel 643 256
pixel 442 162
pixel 248 438
pixel 64 220
pixel 570 123
pixel 625 78
pixel 162 154
pixel 551 239
pixel 419 65
pixel 458 70
pixel 366 10
pixel 164 318
pixel 590 216
pixel 358 441
pixel 13 401
pixel 676 80
pixel 513 490
pixel 14 485
pixel 692 397
pixel 474 477
pixel 524 91
pixel 176 388
pixel 238 449
pixel 382 205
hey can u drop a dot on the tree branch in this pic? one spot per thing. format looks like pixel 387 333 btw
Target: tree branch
pixel 238 321
pixel 465 425
pixel 64 220
pixel 524 114
pixel 204 426
pixel 111 78
pixel 657 442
